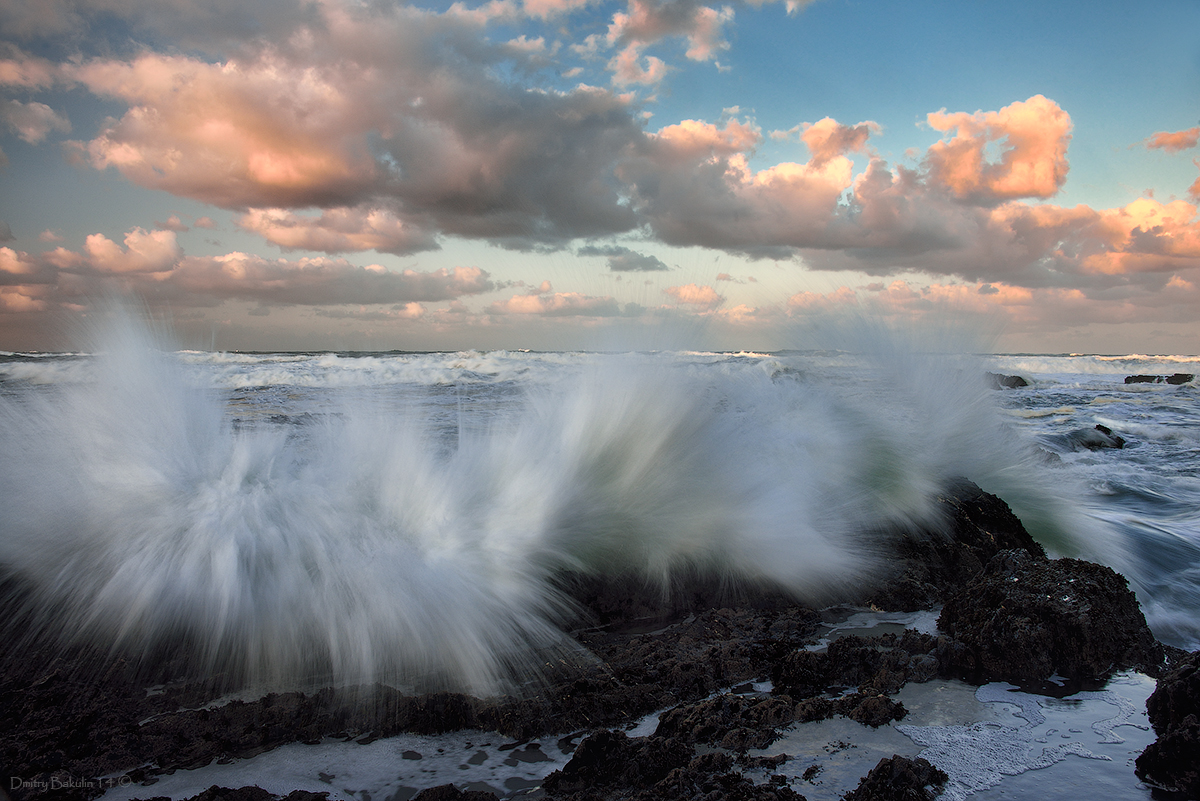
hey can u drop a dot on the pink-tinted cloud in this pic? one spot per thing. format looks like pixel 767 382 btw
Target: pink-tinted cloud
pixel 1033 136
pixel 693 182
pixel 260 133
pixel 173 223
pixel 337 230
pixel 13 301
pixel 631 68
pixel 18 267
pixel 27 72
pixel 648 21
pixel 828 139
pixel 552 8
pixel 557 304
pixel 144 252
pixel 695 295
pixel 320 281
pixel 153 265
pixel 33 121
pixel 401 110
pixel 1173 141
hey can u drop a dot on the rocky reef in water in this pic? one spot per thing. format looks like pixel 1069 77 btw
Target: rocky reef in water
pixel 1009 613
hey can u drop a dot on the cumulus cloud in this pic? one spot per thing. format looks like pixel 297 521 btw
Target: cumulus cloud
pixel 828 139
pixel 694 184
pixel 648 21
pixel 20 268
pixel 144 252
pixel 1033 136
pixel 338 230
pixel 703 296
pixel 1173 141
pixel 320 281
pixel 173 223
pixel 622 259
pixel 19 69
pixel 153 264
pixel 558 304
pixel 401 110
pixel 391 128
pixel 552 8
pixel 33 121
pixel 229 134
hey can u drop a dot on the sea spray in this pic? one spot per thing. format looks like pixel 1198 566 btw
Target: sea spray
pixel 358 545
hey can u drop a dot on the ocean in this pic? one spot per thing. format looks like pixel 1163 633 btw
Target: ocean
pixel 400 517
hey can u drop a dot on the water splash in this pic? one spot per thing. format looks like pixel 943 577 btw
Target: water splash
pixel 358 547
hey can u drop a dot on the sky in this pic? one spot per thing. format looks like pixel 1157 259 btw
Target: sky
pixel 554 174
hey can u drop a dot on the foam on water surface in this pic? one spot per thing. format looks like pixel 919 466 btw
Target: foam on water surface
pixel 993 741
pixel 389 768
pixel 986 740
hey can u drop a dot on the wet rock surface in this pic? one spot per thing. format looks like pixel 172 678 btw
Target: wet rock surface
pixel 67 716
pixel 934 564
pixel 1173 760
pixel 899 779
pixel 1026 618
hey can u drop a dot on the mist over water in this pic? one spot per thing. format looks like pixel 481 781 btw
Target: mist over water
pixel 403 518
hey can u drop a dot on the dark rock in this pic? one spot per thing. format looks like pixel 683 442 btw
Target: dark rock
pixel 1026 618
pixel 610 759
pixel 802 674
pixel 875 710
pixel 1177 694
pixel 253 793
pixel 880 665
pixel 609 765
pixel 448 792
pixel 733 722
pixel 88 715
pixel 932 565
pixel 1173 760
pixel 1093 439
pixel 1001 381
pixel 899 779
pixel 1175 378
pixel 708 778
pixel 631 603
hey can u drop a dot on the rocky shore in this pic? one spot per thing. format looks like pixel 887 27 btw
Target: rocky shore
pixel 73 723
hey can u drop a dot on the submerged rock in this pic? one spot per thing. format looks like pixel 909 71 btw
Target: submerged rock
pixel 1173 760
pixel 1001 381
pixel 1092 439
pixel 1175 378
pixel 1026 618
